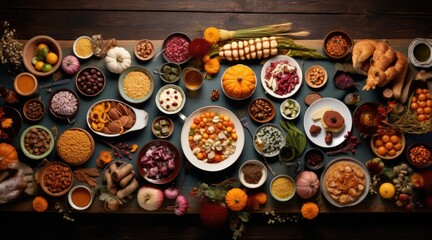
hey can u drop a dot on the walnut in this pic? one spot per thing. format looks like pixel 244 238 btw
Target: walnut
pixel 214 95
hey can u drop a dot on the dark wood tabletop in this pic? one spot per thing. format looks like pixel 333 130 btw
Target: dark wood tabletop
pixel 134 19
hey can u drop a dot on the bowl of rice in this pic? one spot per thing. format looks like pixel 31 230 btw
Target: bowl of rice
pixel 136 84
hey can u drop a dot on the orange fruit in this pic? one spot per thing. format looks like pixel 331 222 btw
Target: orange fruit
pixel 397 146
pixel 51 58
pixel 394 139
pixel 387 190
pixel 422 97
pixel 391 153
pixel 382 151
pixel 378 142
pixel 385 138
pixel 414 106
pixel 41 46
pixel 38 65
pixel 388 146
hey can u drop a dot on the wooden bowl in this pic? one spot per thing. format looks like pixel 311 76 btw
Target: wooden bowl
pixel 342 47
pixel 419 154
pixel 162 127
pixel 30 49
pixel 34 110
pixel 172 153
pixel 261 110
pixel 144 49
pixel 90 81
pixel 316 76
pixel 69 145
pixel 386 147
pixel 49 175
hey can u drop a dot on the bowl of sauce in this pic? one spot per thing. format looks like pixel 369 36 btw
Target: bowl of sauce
pixel 80 197
pixel 26 84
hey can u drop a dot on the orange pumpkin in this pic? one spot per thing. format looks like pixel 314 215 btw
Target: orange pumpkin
pixel 236 199
pixel 239 81
pixel 8 156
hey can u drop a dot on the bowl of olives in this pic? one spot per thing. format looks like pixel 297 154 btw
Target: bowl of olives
pixel 90 81
pixel 169 72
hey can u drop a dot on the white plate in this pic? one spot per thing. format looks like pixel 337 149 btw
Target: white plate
pixel 335 105
pixel 293 63
pixel 212 167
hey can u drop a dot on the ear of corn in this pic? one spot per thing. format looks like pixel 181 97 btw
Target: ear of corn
pixel 257 48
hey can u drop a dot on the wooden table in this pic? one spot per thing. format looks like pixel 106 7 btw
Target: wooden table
pixel 155 20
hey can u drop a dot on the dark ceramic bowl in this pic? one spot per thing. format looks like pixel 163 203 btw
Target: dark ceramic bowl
pixel 337 44
pixel 419 154
pixel 90 81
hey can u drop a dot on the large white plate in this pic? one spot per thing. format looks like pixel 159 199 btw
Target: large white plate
pixel 293 63
pixel 212 167
pixel 335 105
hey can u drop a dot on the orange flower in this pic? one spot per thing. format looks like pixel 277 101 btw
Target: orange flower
pixel 309 210
pixel 40 204
pixel 206 58
pixel 6 123
pixel 212 66
pixel 212 35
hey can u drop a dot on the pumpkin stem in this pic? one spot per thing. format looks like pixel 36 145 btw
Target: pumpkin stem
pixel 119 59
pixel 239 78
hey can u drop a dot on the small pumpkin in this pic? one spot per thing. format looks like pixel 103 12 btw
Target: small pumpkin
pixel 239 81
pixel 236 199
pixel 8 156
pixel 307 184
pixel 118 59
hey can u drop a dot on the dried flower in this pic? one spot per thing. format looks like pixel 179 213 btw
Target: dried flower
pixel 349 145
pixel 40 204
pixel 309 210
pixel 6 123
pixel 199 47
pixel 212 66
pixel 10 48
pixel 212 35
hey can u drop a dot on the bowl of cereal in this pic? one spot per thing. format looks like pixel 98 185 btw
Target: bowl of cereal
pixel 56 178
pixel 337 44
pixel 37 142
pixel 170 99
pixel 136 84
pixel 90 81
pixel 75 146
pixel 112 118
pixel 64 104
pixel 316 76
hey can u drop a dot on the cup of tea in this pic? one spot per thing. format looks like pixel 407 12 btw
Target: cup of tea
pixel 193 79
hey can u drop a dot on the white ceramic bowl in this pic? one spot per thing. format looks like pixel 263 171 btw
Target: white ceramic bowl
pixel 162 90
pixel 274 144
pixel 286 111
pixel 74 47
pixel 80 193
pixel 262 179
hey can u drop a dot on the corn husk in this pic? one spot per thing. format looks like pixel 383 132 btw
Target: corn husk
pixel 282 29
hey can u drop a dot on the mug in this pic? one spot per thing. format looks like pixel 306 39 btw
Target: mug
pixel 193 79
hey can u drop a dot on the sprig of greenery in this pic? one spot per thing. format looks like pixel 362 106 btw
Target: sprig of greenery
pixel 294 136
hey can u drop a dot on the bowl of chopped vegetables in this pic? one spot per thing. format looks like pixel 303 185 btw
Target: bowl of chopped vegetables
pixel 290 109
pixel 337 44
pixel 162 127
pixel 159 161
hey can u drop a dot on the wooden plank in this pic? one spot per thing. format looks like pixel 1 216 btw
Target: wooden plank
pixel 416 7
pixel 65 25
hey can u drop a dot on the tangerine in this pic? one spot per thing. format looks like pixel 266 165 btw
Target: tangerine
pixel 51 58
pixel 378 143
pixel 394 139
pixel 385 138
pixel 38 65
pixel 382 151
pixel 388 146
pixel 397 146
pixel 387 190
pixel 391 153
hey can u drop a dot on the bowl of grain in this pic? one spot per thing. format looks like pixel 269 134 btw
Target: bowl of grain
pixel 64 104
pixel 83 47
pixel 37 142
pixel 282 188
pixel 136 84
pixel 75 146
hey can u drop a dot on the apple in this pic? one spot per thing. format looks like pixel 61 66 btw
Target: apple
pixel 403 197
pixel 150 198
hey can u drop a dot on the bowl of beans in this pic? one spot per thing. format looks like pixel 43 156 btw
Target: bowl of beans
pixel 419 154
pixel 144 49
pixel 34 110
pixel 316 76
pixel 90 81
pixel 136 84
pixel 56 178
pixel 175 48
pixel 37 142
pixel 314 159
pixel 64 104
pixel 261 110
pixel 337 44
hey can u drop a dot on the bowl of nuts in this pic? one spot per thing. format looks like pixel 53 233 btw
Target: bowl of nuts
pixel 316 76
pixel 56 179
pixel 290 109
pixel 37 142
pixel 144 49
pixel 261 110
pixel 337 44
pixel 419 154
pixel 34 109
pixel 90 81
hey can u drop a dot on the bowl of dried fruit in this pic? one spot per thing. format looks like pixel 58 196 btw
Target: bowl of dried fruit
pixel 314 159
pixel 56 178
pixel 90 81
pixel 316 76
pixel 419 154
pixel 144 49
pixel 34 109
pixel 337 44
pixel 37 142
pixel 261 110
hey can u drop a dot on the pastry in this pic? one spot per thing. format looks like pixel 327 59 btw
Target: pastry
pixel 332 121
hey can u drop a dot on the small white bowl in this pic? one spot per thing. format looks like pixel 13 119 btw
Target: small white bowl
pixel 85 192
pixel 75 46
pixel 283 108
pixel 262 179
pixel 162 90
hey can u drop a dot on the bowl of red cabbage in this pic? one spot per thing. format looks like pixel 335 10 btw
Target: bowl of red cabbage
pixel 175 48
pixel 159 162
pixel 345 80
